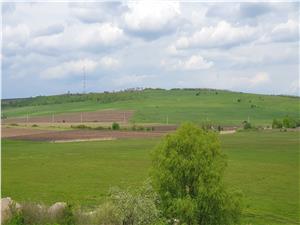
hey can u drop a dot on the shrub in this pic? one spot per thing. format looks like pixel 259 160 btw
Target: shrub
pixel 239 100
pixel 99 128
pixel 106 214
pixel 34 214
pixel 289 122
pixel 34 125
pixel 135 207
pixel 67 217
pixel 115 126
pixel 37 214
pixel 16 216
pixel 276 124
pixel 149 128
pixel 187 174
pixel 206 126
pixel 247 125
pixel 80 126
pixel 220 128
pixel 140 128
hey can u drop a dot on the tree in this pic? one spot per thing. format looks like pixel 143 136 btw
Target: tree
pixel 115 126
pixel 276 124
pixel 187 174
pixel 289 122
pixel 247 125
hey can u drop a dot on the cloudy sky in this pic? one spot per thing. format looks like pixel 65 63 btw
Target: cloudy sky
pixel 250 47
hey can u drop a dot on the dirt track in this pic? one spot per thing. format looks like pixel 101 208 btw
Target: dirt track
pixel 98 116
pixel 34 135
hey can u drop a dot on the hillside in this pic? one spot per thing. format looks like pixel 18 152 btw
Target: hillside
pixel 158 105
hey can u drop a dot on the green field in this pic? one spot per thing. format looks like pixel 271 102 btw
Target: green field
pixel 264 165
pixel 154 106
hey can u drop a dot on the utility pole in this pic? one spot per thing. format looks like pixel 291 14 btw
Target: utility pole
pixel 27 118
pixel 81 117
pixel 124 117
pixel 52 117
pixel 167 119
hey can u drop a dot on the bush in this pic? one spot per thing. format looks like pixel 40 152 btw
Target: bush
pixel 34 125
pixel 289 122
pixel 206 126
pixel 80 126
pixel 134 207
pixel 220 128
pixel 37 214
pixel 67 217
pixel 247 125
pixel 115 126
pixel 276 124
pixel 16 216
pixel 99 128
pixel 187 174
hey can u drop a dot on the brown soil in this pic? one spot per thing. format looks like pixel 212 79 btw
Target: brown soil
pixel 81 135
pixel 98 116
pixel 15 132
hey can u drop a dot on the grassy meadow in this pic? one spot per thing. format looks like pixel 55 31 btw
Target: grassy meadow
pixel 264 165
pixel 154 106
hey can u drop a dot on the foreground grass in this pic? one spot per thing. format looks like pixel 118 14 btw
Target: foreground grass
pixel 154 106
pixel 264 165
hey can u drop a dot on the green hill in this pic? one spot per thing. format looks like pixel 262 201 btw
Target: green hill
pixel 155 105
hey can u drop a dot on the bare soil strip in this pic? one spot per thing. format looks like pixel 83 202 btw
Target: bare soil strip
pixel 81 117
pixel 15 132
pixel 71 135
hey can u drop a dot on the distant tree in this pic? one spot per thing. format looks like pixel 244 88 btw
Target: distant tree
pixel 187 174
pixel 289 122
pixel 247 125
pixel 115 126
pixel 276 124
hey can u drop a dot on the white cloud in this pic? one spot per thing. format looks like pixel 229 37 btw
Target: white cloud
pixel 195 62
pixel 131 80
pixel 19 33
pixel 236 40
pixel 109 62
pixel 79 36
pixel 252 81
pixel 50 30
pixel 151 19
pixel 77 67
pixel 288 31
pixel 259 78
pixel 221 35
pixel 91 12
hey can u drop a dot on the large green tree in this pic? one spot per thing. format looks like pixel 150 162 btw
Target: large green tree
pixel 187 174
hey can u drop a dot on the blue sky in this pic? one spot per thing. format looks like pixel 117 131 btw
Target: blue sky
pixel 249 47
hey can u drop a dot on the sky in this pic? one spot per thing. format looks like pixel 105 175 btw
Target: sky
pixel 47 47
